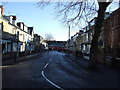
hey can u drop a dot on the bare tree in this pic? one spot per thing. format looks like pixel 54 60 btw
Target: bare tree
pixel 49 37
pixel 98 25
pixel 74 13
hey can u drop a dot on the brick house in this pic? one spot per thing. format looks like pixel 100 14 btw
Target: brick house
pixel 112 34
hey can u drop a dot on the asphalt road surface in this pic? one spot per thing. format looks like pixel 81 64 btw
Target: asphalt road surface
pixel 52 70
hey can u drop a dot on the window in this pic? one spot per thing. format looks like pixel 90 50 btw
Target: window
pixel 83 47
pixel 86 37
pixel 17 36
pixel 4 47
pixel 14 47
pixel 90 36
pixel 8 47
pixel 101 43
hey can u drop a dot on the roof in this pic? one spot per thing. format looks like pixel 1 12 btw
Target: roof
pixel 2 17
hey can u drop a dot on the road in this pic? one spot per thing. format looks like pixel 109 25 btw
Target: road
pixel 52 70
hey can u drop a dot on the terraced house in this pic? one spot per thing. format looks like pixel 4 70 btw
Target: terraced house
pixel 17 38
pixel 109 40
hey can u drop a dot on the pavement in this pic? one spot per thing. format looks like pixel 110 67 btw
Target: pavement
pixel 102 70
pixel 19 59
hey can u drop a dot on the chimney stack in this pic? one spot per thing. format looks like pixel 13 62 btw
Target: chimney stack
pixel 2 10
pixel 14 20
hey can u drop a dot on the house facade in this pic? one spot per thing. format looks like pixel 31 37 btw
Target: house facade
pixel 16 38
pixel 9 40
pixel 112 34
pixel 108 42
pixel 37 42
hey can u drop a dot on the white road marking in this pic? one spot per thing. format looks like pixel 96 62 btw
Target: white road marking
pixel 46 65
pixel 51 58
pixel 47 78
pixel 51 81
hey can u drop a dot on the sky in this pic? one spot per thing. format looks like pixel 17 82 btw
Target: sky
pixel 44 20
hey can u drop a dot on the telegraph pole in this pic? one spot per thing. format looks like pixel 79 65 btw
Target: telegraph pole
pixel 69 38
pixel 69 33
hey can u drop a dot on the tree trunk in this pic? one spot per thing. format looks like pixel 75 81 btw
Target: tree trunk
pixel 98 25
